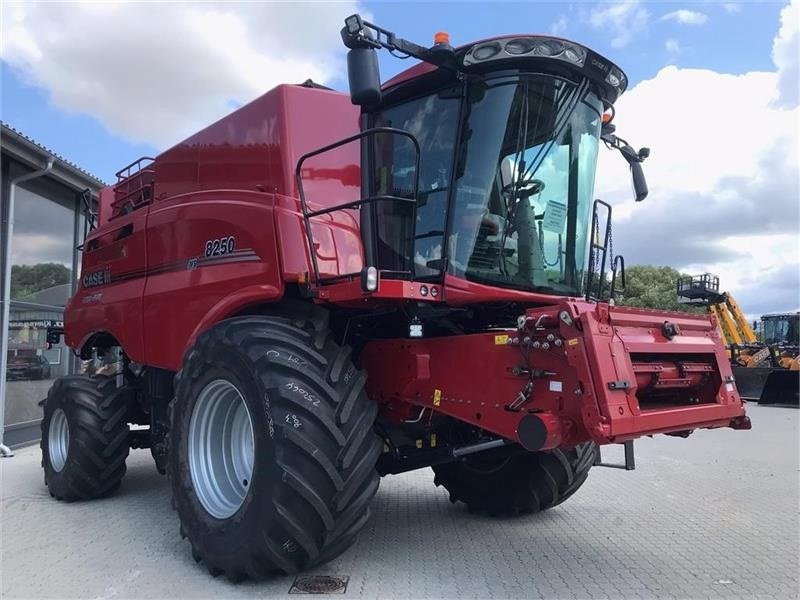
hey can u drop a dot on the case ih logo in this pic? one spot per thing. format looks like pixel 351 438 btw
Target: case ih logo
pixel 97 278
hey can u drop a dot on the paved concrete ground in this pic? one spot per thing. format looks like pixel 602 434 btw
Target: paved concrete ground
pixel 714 515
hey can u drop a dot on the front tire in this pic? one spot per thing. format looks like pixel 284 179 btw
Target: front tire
pixel 297 479
pixel 512 481
pixel 84 437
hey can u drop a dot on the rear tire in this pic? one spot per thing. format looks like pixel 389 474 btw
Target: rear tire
pixel 311 453
pixel 84 437
pixel 513 481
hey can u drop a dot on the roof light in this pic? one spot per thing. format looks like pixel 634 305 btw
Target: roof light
pixel 354 24
pixel 441 37
pixel 616 78
pixel 575 54
pixel 519 46
pixel 486 51
pixel 549 48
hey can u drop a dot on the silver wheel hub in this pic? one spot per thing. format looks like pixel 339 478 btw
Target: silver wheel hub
pixel 221 448
pixel 58 439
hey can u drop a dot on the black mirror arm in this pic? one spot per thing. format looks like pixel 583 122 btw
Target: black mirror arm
pixel 358 33
pixel 627 151
pixel 631 156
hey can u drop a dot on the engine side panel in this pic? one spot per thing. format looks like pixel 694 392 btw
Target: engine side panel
pixel 204 250
pixel 109 295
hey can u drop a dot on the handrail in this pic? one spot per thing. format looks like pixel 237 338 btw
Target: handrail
pixel 127 168
pixel 593 245
pixel 132 181
pixel 617 266
pixel 308 215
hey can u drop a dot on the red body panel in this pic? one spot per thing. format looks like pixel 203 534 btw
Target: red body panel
pixel 154 289
pixel 109 297
pixel 178 295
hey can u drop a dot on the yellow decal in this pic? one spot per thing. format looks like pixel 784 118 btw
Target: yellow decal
pixel 437 397
pixel 419 443
pixel 501 340
pixel 433 440
pixel 573 342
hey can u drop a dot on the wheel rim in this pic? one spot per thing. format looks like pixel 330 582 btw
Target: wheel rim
pixel 58 439
pixel 221 449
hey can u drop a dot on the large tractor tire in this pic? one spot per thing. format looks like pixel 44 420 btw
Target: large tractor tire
pixel 272 448
pixel 84 437
pixel 512 481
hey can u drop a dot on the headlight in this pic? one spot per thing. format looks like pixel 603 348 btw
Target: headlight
pixel 519 46
pixel 549 48
pixel 486 51
pixel 616 78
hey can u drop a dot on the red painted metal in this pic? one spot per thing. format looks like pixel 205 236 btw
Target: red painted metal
pixel 660 385
pixel 233 179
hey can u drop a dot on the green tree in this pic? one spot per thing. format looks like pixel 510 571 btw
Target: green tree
pixel 649 286
pixel 29 279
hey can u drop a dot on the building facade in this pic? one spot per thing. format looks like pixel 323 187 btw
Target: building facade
pixel 50 222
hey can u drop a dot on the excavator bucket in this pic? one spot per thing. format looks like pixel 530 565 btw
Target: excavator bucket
pixel 782 387
pixel 750 381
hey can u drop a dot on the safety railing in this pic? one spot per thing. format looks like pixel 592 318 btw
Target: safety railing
pixel 598 251
pixel 311 214
pixel 134 188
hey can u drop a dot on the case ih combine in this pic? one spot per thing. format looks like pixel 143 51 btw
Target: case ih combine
pixel 289 323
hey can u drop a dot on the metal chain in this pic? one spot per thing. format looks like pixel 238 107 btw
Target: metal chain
pixel 611 244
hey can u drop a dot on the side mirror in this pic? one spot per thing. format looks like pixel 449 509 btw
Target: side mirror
pixel 639 182
pixel 364 76
pixel 634 159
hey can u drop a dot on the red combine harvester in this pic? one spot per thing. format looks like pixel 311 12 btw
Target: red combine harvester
pixel 289 323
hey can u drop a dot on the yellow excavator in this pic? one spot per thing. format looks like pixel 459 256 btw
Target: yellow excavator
pixel 766 367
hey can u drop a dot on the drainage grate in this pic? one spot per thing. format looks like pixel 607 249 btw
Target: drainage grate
pixel 319 584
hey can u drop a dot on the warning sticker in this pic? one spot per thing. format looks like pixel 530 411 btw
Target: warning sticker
pixel 437 397
pixel 555 386
pixel 500 340
pixel 555 216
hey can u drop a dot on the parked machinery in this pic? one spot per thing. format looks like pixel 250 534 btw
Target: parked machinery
pixel 766 369
pixel 288 323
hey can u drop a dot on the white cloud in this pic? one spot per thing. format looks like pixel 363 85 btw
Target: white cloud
pixel 157 72
pixel 623 19
pixel 672 46
pixel 786 54
pixel 731 7
pixel 686 17
pixel 560 26
pixel 723 178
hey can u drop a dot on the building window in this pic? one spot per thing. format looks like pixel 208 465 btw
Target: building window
pixel 42 250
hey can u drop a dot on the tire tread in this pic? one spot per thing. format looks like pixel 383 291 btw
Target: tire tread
pixel 337 452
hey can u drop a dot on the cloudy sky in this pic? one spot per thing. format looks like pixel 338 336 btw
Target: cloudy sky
pixel 714 94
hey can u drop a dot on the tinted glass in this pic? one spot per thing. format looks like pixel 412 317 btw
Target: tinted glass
pixel 432 120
